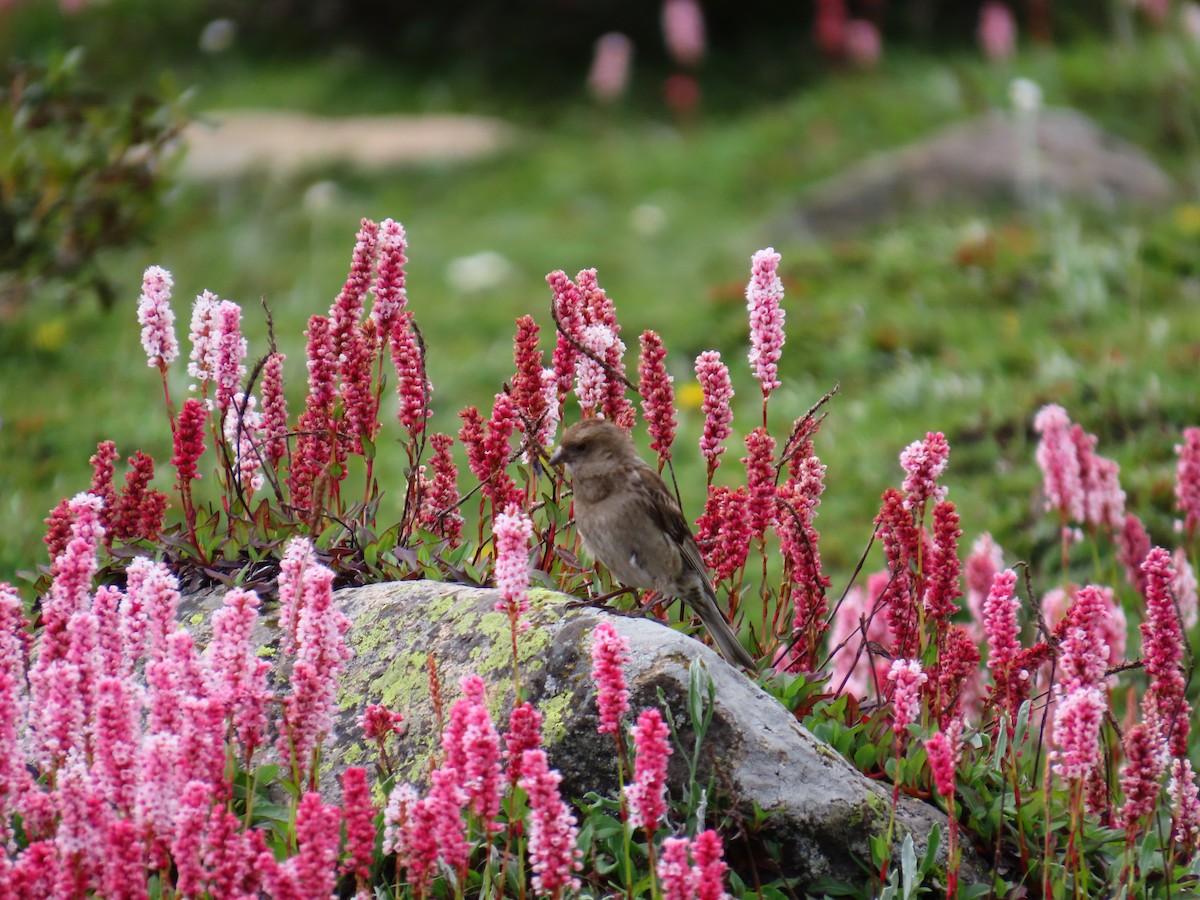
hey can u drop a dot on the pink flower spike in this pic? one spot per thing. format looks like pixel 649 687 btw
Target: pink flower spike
pixel 997 31
pixel 760 480
pixel 610 653
pixel 708 871
pixel 205 336
pixel 1162 654
pixel 674 873
pixel 377 722
pixel 942 565
pixel 513 531
pixel 943 751
pixel 658 396
pixel 906 678
pixel 439 497
pixel 157 319
pixel 718 392
pixel 274 410
pixel 391 296
pixel 763 296
pixel 189 443
pixel 524 733
pixel 230 353
pixel 1145 762
pixel 1003 636
pixel 591 378
pixel 1187 481
pixel 923 463
pixel 553 832
pixel 358 815
pixel 1077 719
pixel 647 796
pixel 683 31
pixel 1185 804
pixel 1059 461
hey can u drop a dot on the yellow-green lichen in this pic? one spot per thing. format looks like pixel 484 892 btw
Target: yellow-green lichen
pixel 196 619
pixel 554 712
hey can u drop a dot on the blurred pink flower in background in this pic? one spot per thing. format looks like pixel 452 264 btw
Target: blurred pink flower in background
pixel 997 31
pixel 862 43
pixel 612 65
pixel 683 31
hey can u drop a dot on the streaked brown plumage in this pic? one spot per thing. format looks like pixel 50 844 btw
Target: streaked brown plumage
pixel 630 522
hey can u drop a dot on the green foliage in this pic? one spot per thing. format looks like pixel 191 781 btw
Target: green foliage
pixel 81 171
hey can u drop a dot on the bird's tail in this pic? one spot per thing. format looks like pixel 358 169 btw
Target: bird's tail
pixel 722 633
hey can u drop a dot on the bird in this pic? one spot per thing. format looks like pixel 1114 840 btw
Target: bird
pixel 631 523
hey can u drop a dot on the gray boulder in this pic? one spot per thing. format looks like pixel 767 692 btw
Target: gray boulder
pixel 980 163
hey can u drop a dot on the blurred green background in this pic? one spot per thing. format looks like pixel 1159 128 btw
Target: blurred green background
pixel 962 320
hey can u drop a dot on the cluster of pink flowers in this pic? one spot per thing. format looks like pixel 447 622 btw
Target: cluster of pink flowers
pixel 1011 684
pixel 717 391
pixel 923 463
pixel 157 319
pixel 658 396
pixel 647 796
pixel 1187 481
pixel 489 451
pixel 906 679
pixel 610 653
pixel 553 831
pixel 700 878
pixel 587 319
pixel 438 512
pixel 763 296
pixel 512 530
pixel 1082 486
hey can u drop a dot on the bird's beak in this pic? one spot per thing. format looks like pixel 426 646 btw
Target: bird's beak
pixel 556 458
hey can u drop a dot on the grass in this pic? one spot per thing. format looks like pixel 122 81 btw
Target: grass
pixel 917 341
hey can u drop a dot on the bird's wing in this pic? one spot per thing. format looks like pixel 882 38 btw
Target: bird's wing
pixel 661 507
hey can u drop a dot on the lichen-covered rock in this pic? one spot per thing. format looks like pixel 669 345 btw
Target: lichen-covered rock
pixel 819 810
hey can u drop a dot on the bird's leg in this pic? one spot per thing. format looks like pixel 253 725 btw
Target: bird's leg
pixel 602 600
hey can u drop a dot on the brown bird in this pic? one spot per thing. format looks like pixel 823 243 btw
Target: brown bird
pixel 630 522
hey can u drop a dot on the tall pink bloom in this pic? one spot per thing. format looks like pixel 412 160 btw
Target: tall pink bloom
pixel 979 570
pixel 591 378
pixel 608 76
pixel 317 834
pixel 391 296
pixel 513 531
pixel 13 703
pixel 763 296
pixel 1185 805
pixel 1059 461
pixel 321 654
pixel 1187 480
pixel 760 480
pixel 683 31
pixel 1003 639
pixel 358 816
pixel 718 416
pixel 658 397
pixel 569 310
pixel 439 497
pixel 553 832
pixel 674 873
pixel 610 653
pixel 274 410
pixel 528 394
pixel 205 336
pixel 157 319
pixel 1140 774
pixel 189 444
pixel 187 846
pixel 901 540
pixel 723 531
pixel 1132 546
pixel 997 31
pixel 708 869
pixel 943 750
pixel 412 384
pixel 236 674
pixel 923 463
pixel 116 736
pixel 647 796
pixel 230 353
pixel 942 567
pixel 524 733
pixel 1162 654
pixel 906 678
pixel 1078 715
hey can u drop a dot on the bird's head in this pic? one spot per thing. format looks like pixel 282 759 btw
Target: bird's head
pixel 592 446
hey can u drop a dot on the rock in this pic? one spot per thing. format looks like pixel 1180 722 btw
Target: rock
pixel 820 810
pixel 231 143
pixel 974 164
